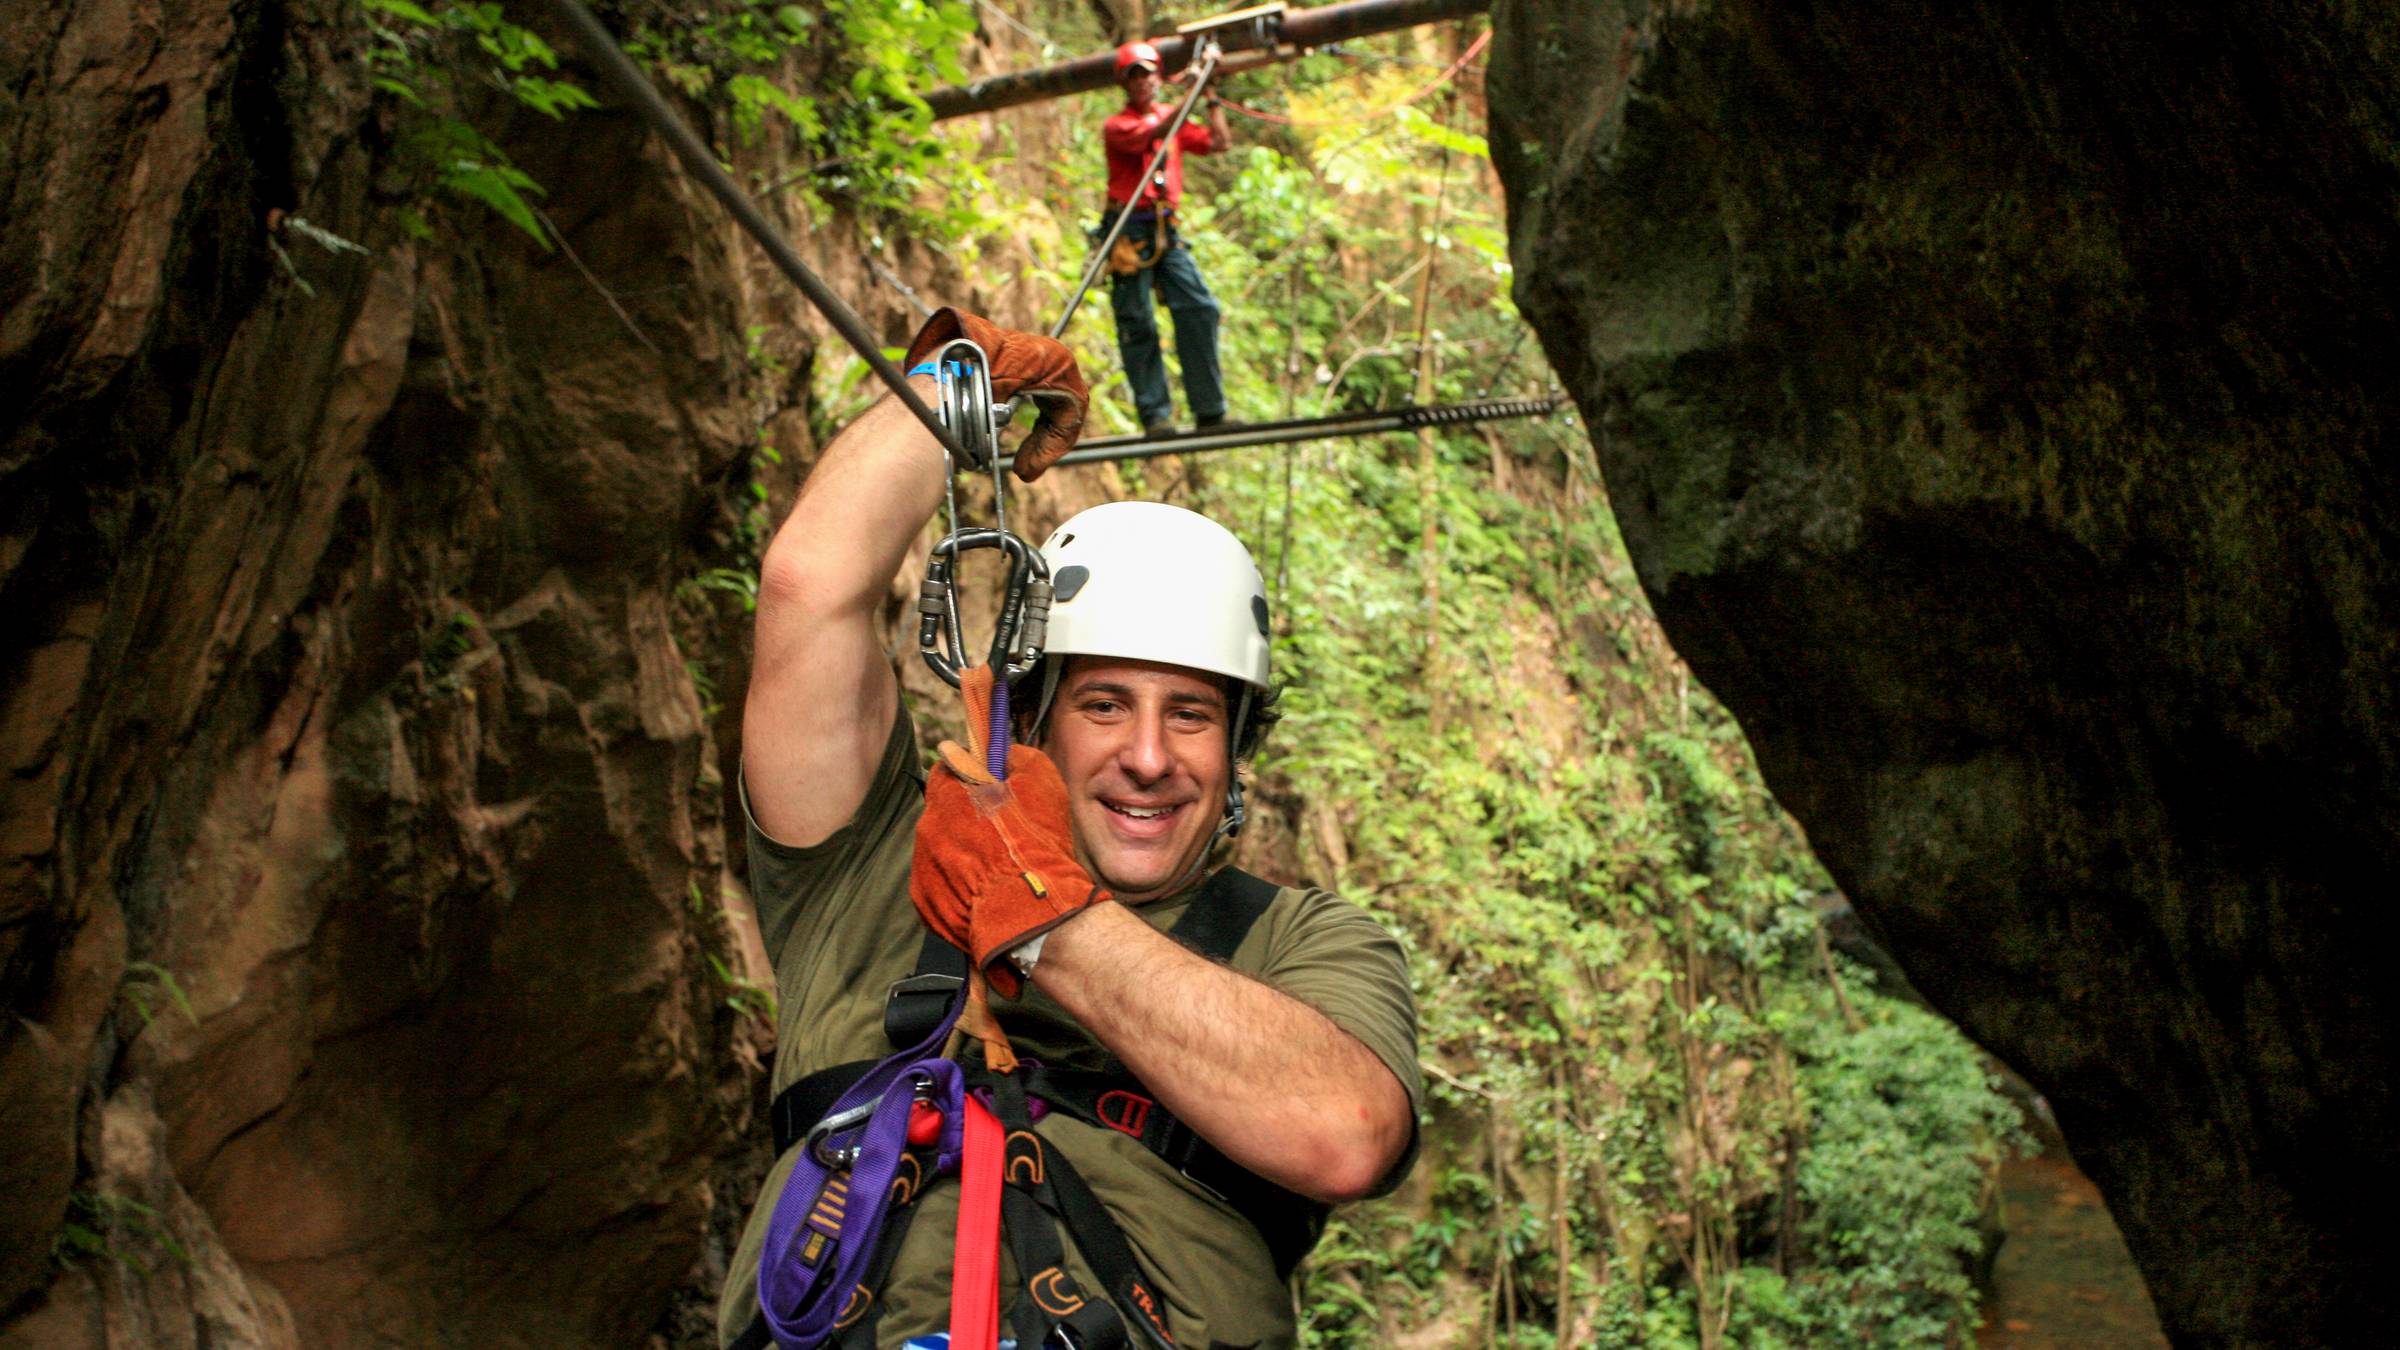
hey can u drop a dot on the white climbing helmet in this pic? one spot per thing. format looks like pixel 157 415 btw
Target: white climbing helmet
pixel 1146 581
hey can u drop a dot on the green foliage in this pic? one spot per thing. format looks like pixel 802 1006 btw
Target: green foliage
pixel 448 645
pixel 145 982
pixel 704 689
pixel 427 58
pixel 116 1227
pixel 1904 1131
pixel 1611 927
pixel 729 581
pixel 745 996
pixel 843 76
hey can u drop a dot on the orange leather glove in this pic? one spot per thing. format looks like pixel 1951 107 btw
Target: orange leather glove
pixel 995 862
pixel 1023 365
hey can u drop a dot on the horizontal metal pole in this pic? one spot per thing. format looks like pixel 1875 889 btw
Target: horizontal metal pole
pixel 1301 28
pixel 1412 415
pixel 1307 429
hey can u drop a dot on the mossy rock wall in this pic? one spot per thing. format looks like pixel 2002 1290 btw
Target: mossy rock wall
pixel 1997 404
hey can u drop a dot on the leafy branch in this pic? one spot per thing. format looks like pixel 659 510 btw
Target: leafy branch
pixel 145 982
pixel 421 57
pixel 104 1224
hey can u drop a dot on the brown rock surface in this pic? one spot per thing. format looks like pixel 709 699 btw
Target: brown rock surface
pixel 1997 402
pixel 364 902
pixel 360 851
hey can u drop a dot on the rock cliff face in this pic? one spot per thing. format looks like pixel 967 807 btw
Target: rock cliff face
pixel 359 838
pixel 1997 401
pixel 370 956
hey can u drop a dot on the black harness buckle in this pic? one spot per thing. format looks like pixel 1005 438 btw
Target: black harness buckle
pixel 914 1006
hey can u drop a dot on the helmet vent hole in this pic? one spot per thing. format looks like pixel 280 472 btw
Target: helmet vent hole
pixel 1068 581
pixel 1258 613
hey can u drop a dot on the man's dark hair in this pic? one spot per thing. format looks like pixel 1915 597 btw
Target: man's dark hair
pixel 1264 711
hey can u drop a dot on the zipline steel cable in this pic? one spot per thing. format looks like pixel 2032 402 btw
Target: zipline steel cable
pixel 1371 422
pixel 619 69
pixel 965 396
pixel 702 163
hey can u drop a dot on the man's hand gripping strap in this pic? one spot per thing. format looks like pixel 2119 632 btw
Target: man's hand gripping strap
pixel 995 860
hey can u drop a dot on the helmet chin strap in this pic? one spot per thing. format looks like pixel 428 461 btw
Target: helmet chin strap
pixel 1227 828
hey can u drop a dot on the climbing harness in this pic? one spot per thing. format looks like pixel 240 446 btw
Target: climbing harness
pixel 1041 1192
pixel 975 1259
pixel 1126 258
pixel 814 1267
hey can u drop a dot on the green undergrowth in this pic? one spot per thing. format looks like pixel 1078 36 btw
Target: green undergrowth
pixel 1652 1121
pixel 831 88
pixel 104 1225
pixel 1660 1111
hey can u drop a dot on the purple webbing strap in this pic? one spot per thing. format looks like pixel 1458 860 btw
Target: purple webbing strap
pixel 826 1225
pixel 996 748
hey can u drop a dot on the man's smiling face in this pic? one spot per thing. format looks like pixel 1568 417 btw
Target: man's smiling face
pixel 1142 747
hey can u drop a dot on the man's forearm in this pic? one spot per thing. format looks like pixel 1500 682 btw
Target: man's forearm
pixel 1267 1079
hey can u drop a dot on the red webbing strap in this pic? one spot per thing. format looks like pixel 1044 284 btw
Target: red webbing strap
pixel 975 1261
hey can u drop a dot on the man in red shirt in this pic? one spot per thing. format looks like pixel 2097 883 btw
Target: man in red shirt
pixel 1132 137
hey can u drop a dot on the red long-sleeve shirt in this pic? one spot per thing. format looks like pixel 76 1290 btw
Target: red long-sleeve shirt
pixel 1132 137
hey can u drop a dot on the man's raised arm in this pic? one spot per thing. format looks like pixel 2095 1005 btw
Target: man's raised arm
pixel 822 693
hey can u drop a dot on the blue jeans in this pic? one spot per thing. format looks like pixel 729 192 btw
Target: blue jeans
pixel 1195 313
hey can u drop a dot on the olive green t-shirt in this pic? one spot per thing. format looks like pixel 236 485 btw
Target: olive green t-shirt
pixel 840 929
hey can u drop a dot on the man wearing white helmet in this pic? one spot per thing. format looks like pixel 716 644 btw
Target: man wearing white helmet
pixel 1244 1073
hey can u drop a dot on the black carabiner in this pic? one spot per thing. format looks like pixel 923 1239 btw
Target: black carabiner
pixel 1024 618
pixel 964 375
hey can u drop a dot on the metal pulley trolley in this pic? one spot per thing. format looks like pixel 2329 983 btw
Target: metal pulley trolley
pixel 968 411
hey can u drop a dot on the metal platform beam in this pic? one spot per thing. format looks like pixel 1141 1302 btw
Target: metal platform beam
pixel 1301 28
pixel 1369 423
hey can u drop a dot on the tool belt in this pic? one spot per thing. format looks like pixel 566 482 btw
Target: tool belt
pixel 1126 257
